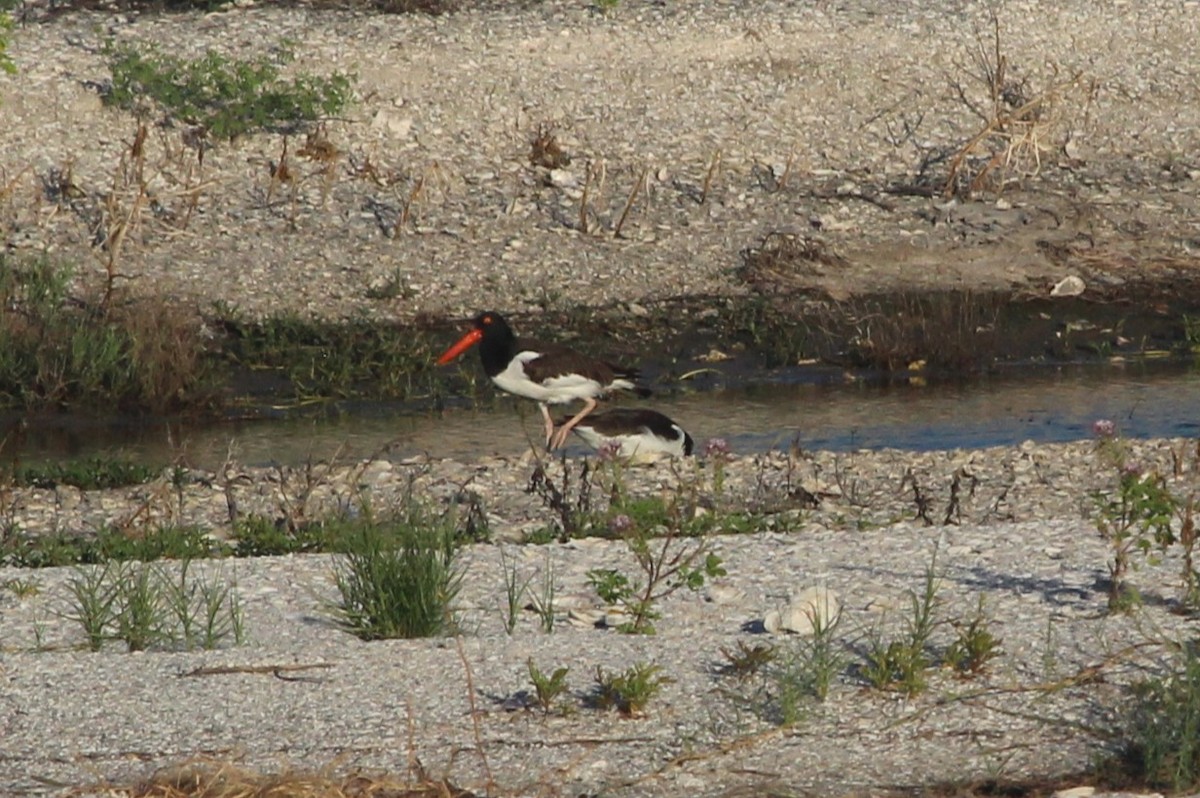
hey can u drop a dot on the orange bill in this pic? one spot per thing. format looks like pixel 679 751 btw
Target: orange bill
pixel 466 342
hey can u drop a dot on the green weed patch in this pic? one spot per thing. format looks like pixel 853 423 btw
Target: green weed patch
pixel 226 97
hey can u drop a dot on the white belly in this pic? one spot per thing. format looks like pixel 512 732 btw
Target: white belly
pixel 643 446
pixel 554 391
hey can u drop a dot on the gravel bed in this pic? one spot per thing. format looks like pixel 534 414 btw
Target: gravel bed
pixel 1026 547
pixel 813 113
pixel 810 111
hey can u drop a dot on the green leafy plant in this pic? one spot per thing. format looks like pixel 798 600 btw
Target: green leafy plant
pixel 974 645
pixel 226 97
pixel 667 561
pixel 1136 518
pixel 399 578
pixel 901 663
pixel 6 26
pixel 662 578
pixel 547 689
pixel 747 661
pixel 895 664
pixel 628 692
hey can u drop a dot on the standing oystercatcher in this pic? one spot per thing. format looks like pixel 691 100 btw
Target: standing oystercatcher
pixel 548 373
pixel 636 433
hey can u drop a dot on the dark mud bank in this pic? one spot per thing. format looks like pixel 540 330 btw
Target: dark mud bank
pixel 943 333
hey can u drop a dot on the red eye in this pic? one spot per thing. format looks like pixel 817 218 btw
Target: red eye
pixel 487 319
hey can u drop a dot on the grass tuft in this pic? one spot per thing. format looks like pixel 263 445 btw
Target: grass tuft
pixel 398 578
pixel 147 606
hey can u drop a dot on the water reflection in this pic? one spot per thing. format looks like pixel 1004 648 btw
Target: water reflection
pixel 1045 405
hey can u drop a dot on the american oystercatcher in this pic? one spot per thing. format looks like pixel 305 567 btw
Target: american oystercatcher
pixel 636 434
pixel 547 373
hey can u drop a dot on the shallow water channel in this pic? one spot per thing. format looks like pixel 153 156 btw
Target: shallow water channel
pixel 818 409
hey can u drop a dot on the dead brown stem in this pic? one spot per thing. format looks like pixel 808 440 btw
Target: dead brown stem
pixel 629 202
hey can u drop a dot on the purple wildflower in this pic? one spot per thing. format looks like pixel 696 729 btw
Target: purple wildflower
pixel 608 451
pixel 1104 428
pixel 620 524
pixel 716 448
pixel 1132 470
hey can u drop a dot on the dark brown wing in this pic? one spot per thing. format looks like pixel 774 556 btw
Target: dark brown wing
pixel 555 360
pixel 632 421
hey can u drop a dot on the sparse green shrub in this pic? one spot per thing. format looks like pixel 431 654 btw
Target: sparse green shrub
pixel 356 358
pixel 515 588
pixel 1137 518
pixel 544 600
pixel 22 588
pixel 141 617
pixel 61 353
pixel 93 600
pixel 747 661
pixel 1161 738
pixel 398 578
pixel 205 611
pixel 258 536
pixel 226 97
pixel 91 474
pixel 167 542
pixel 806 670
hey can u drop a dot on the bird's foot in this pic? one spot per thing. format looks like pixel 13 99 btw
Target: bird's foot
pixel 558 438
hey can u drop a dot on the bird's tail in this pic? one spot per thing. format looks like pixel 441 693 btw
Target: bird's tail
pixel 627 379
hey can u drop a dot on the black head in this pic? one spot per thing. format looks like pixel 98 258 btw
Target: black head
pixel 496 341
pixel 491 323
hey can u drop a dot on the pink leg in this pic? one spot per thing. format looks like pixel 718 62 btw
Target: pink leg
pixel 560 437
pixel 549 423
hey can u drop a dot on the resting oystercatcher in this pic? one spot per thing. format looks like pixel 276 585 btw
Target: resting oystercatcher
pixel 637 434
pixel 547 373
